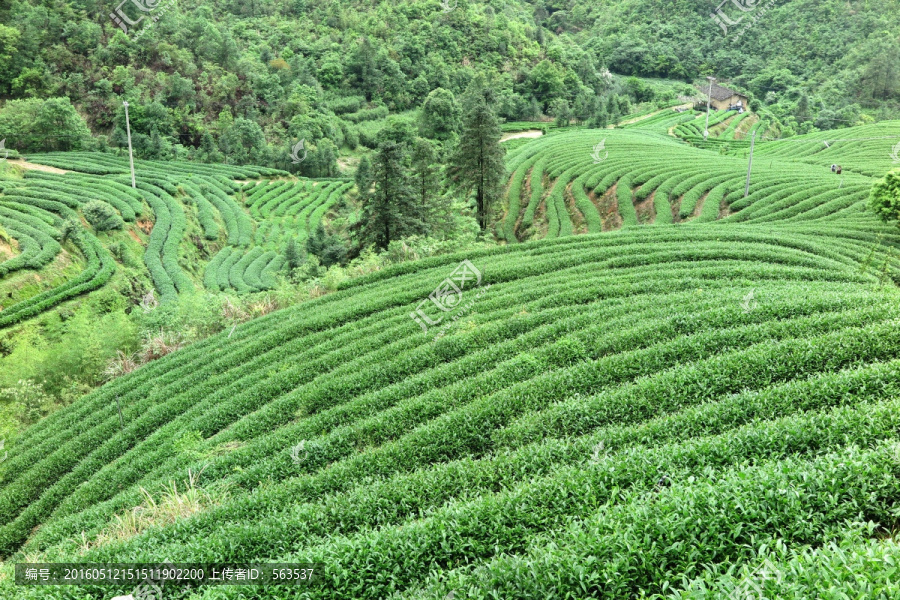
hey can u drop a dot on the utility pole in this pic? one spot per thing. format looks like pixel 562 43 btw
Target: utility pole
pixel 708 99
pixel 130 154
pixel 119 406
pixel 750 166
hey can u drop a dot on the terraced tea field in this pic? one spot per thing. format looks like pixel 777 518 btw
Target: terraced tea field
pixel 242 221
pixel 606 403
pixel 565 183
pixel 697 411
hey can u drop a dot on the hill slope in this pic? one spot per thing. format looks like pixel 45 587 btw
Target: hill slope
pixel 185 227
pixel 592 180
pixel 596 397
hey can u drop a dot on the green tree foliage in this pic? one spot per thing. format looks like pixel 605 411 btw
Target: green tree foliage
pixel 321 160
pixel 292 254
pixel 477 165
pixel 9 42
pixel 43 125
pixel 245 143
pixel 363 176
pixel 102 216
pixel 440 115
pixel 884 199
pixel 561 112
pixel 328 248
pixel 600 118
pixel 426 173
pixel 181 75
pixel 547 83
pixel 390 211
pixel 71 228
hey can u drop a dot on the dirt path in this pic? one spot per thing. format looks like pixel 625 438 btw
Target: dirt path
pixel 654 113
pixel 35 167
pixel 531 133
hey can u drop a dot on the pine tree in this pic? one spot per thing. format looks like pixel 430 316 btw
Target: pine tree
pixel 391 210
pixel 292 254
pixel 600 119
pixel 156 146
pixel 802 112
pixel 328 248
pixel 208 151
pixel 613 111
pixel 363 176
pixel 425 171
pixel 477 164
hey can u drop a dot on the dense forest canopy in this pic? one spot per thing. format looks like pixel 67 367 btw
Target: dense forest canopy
pixel 243 81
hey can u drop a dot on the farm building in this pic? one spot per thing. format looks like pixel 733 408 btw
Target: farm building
pixel 723 98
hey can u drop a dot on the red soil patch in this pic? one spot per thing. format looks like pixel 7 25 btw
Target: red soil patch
pixel 699 208
pixel 646 212
pixel 145 225
pixel 676 210
pixel 135 236
pixel 35 167
pixel 724 210
pixel 608 207
pixel 579 224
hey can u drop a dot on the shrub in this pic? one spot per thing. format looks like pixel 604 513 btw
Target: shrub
pixel 102 216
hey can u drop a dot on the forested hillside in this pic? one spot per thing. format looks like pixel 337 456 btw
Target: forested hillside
pixel 243 81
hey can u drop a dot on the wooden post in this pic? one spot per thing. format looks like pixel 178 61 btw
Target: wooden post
pixel 750 166
pixel 121 420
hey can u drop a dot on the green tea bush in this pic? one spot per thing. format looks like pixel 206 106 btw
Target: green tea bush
pixel 102 216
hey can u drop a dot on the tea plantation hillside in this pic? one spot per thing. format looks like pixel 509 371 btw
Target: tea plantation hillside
pixel 659 170
pixel 595 416
pixel 189 227
pixel 184 228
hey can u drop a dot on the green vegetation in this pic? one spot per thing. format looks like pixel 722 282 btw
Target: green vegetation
pixel 102 216
pixel 601 380
pixel 225 84
pixel 624 386
pixel 457 300
pixel 791 179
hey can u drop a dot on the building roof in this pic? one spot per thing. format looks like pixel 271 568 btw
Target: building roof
pixel 719 92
